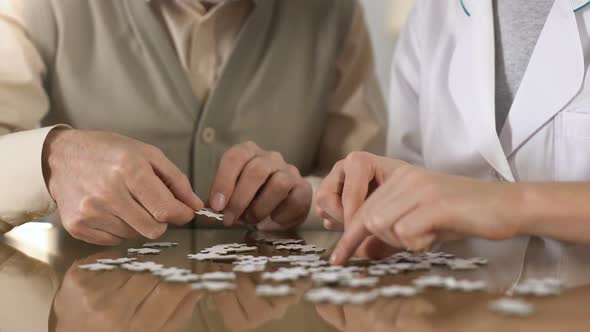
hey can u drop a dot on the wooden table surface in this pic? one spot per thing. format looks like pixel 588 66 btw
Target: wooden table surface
pixel 42 289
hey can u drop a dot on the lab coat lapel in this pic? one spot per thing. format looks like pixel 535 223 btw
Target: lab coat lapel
pixel 472 80
pixel 553 77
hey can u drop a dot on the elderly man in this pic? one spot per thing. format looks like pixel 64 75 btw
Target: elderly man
pixel 127 115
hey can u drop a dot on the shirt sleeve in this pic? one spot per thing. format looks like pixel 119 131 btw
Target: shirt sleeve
pixel 356 112
pixel 23 103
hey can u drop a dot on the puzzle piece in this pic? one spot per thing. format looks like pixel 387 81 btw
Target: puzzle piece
pixel 397 291
pixel 144 251
pixel 116 261
pixel 249 268
pixel 212 257
pixel 449 283
pixel 329 295
pixel 219 276
pixel 170 271
pixel 182 278
pixel 210 214
pixel 274 291
pixel 359 282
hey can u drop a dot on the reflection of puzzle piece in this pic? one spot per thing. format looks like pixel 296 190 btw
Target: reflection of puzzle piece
pixel 212 257
pixel 210 214
pixel 214 286
pixel 96 267
pixel 116 261
pixel 142 266
pixel 180 278
pixel 512 307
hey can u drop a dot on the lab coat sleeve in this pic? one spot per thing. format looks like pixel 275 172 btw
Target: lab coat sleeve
pixel 404 137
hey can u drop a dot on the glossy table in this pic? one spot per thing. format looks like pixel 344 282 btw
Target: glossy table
pixel 42 289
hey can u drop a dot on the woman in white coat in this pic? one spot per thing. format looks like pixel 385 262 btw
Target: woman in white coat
pixel 458 165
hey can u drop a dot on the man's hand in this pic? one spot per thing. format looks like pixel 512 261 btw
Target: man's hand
pixel 259 187
pixel 110 187
pixel 412 207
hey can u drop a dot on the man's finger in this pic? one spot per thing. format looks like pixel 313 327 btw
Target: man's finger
pixel 130 211
pixel 115 226
pixel 293 209
pixel 349 242
pixel 253 177
pixel 99 237
pixel 174 179
pixel 157 199
pixel 229 170
pixel 275 190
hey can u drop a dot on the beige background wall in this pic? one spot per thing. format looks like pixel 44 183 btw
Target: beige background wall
pixel 385 18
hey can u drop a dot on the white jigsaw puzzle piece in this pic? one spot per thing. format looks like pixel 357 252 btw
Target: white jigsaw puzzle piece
pixel 210 214
pixel 274 291
pixel 144 251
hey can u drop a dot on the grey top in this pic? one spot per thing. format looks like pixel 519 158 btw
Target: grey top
pixel 517 27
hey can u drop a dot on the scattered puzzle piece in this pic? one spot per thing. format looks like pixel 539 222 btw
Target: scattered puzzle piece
pixel 116 261
pixel 144 251
pixel 274 291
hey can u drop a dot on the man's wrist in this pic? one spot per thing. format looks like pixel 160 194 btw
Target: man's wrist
pixel 50 146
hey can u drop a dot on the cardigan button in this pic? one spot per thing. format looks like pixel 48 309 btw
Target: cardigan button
pixel 208 135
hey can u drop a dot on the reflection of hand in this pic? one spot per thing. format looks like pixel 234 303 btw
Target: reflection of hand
pixel 243 310
pixel 260 187
pixel 120 301
pixel 381 315
pixel 110 187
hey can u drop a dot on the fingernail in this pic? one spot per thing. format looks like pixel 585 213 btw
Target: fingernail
pixel 218 202
pixel 228 219
pixel 334 258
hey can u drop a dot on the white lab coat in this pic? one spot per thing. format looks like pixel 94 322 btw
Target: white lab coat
pixel 442 113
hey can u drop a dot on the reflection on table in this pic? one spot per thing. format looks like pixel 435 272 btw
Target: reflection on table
pixel 46 289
